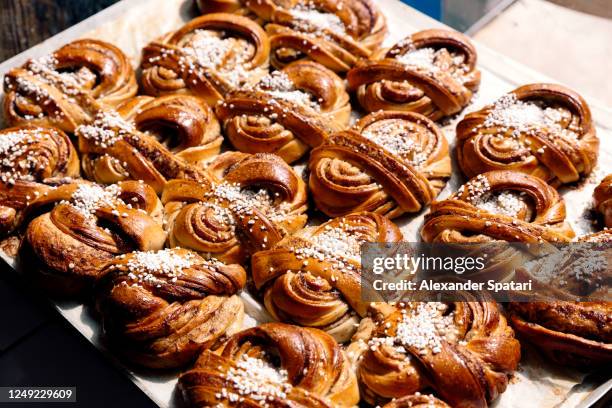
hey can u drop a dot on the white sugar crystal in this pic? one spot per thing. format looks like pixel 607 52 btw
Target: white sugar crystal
pixel 88 198
pixel 256 379
pixel 107 128
pixel 278 85
pixel 311 20
pixel 505 203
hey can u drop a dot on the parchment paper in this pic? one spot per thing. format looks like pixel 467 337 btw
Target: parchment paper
pixel 131 24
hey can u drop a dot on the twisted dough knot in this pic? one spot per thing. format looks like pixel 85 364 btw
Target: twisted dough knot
pixel 539 129
pixel 161 308
pixel 30 158
pixel 432 72
pixel 603 200
pixel 183 124
pixel 499 206
pixel 463 350
pixel 64 249
pixel 392 163
pixel 570 333
pixel 113 150
pixel 65 87
pixel 287 113
pixel 313 278
pixel 417 400
pixel 273 364
pixel 207 57
pixel 334 33
pixel 250 204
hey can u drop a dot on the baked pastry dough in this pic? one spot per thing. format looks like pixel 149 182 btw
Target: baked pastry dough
pixel 64 88
pixel 287 113
pixel 603 200
pixel 273 364
pixel 570 333
pixel 390 163
pixel 464 351
pixel 114 150
pixel 207 57
pixel 540 129
pixel 219 6
pixel 251 202
pixel 335 33
pixel 162 308
pixel 31 159
pixel 417 400
pixel 499 206
pixel 313 278
pixel 432 72
pixel 63 250
pixel 184 124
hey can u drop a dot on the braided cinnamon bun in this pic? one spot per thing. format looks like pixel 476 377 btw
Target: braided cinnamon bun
pixel 313 278
pixel 63 250
pixel 463 351
pixel 391 163
pixel 162 308
pixel 273 364
pixel 65 87
pixel 287 113
pixel 432 72
pixel 31 159
pixel 570 333
pixel 603 199
pixel 250 204
pixel 113 150
pixel 219 6
pixel 207 57
pixel 334 33
pixel 499 206
pixel 184 124
pixel 540 129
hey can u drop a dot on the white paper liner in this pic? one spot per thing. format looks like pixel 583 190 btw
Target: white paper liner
pixel 131 24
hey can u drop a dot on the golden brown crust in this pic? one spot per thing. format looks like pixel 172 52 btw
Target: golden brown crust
pixel 603 200
pixel 570 333
pixel 160 309
pixel 219 6
pixel 256 121
pixel 466 354
pixel 63 250
pixel 251 202
pixel 392 163
pixel 184 124
pixel 65 88
pixel 315 370
pixel 114 150
pixel 32 158
pixel 334 33
pixel 558 144
pixel 207 57
pixel 313 278
pixel 479 212
pixel 436 84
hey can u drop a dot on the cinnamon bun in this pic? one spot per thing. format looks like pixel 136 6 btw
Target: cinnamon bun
pixel 287 113
pixel 184 124
pixel 207 57
pixel 432 72
pixel 313 278
pixel 65 88
pixel 32 159
pixel 162 308
pixel 64 250
pixel 603 200
pixel 273 364
pixel 334 33
pixel 539 129
pixel 390 163
pixel 114 150
pixel 463 351
pixel 250 204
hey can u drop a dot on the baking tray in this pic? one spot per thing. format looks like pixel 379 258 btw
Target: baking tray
pixel 131 24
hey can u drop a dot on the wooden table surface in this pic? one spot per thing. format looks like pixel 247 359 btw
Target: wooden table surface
pixel 27 22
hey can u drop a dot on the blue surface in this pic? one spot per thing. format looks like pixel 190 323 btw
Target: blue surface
pixel 433 8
